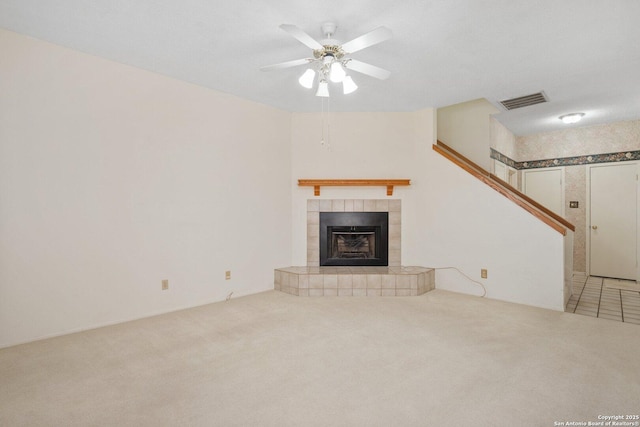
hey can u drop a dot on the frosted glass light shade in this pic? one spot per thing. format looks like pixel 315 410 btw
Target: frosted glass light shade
pixel 571 118
pixel 323 89
pixel 337 73
pixel 348 85
pixel 306 80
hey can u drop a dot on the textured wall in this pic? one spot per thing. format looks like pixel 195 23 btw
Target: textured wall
pixel 619 137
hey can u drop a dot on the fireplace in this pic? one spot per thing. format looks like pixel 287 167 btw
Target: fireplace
pixel 354 238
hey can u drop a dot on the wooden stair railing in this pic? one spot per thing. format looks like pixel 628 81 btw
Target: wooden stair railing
pixel 547 216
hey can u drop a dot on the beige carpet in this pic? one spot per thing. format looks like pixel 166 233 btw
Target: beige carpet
pixel 273 359
pixel 625 285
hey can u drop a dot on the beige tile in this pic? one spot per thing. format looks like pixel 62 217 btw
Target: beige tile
pixel 610 312
pixel 422 282
pixel 388 292
pixel 589 301
pixel 316 292
pixel 630 302
pixel 395 231
pixel 628 315
pixel 313 230
pixel 316 281
pixel 294 280
pixel 388 281
pixel 395 245
pixel 394 257
pixel 359 292
pixel 369 205
pixel 382 205
pixel 304 292
pixel 359 281
pixel 284 280
pixel 610 317
pixel 586 313
pixel 331 281
pixel 407 282
pixel 374 292
pixel 345 292
pixel 374 281
pixel 631 320
pixel 405 292
pixel 313 218
pixel 303 281
pixel 345 281
pixel 630 311
pixel 348 205
pixel 331 292
pixel 358 205
pixel 294 291
pixel 313 205
pixel 587 308
pixel 313 257
pixel 325 205
pixel 395 218
pixel 337 205
pixel 395 205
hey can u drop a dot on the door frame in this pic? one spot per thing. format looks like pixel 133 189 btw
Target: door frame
pixel 588 212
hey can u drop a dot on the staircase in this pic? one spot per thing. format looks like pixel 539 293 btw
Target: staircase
pixel 545 215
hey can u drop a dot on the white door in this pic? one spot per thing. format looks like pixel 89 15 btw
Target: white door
pixel 613 221
pixel 545 186
pixel 500 170
pixel 513 177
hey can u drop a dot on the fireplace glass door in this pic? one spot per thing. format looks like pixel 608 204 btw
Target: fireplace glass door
pixel 354 238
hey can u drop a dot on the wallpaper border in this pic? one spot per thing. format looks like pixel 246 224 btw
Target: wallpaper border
pixel 624 156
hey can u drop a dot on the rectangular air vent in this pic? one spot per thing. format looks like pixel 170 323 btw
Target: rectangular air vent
pixel 524 101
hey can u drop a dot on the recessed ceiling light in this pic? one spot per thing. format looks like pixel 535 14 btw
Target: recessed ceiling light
pixel 571 118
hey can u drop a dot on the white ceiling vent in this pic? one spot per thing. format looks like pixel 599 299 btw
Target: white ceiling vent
pixel 524 101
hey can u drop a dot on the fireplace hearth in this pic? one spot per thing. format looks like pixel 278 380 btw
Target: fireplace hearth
pixel 354 239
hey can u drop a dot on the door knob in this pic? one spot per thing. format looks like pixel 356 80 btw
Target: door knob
pixel 595 227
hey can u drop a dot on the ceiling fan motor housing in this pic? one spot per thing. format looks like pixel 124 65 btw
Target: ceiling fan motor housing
pixel 329 50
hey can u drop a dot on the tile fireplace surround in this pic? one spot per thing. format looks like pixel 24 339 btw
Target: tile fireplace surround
pixel 314 207
pixel 394 280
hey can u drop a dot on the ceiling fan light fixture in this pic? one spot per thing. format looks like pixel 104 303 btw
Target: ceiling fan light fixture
pixel 323 89
pixel 348 85
pixel 337 73
pixel 306 80
pixel 571 118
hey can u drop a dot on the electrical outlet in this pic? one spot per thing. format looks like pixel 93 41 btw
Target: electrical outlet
pixel 165 284
pixel 227 275
pixel 483 273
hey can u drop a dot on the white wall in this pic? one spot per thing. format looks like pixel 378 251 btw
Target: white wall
pixel 113 178
pixel 501 138
pixel 579 141
pixel 472 227
pixel 449 218
pixel 362 145
pixel 466 127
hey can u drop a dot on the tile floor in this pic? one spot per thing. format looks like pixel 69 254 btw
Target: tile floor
pixel 591 298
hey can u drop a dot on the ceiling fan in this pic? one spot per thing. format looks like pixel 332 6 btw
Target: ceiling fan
pixel 331 59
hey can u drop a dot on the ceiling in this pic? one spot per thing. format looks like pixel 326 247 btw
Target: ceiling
pixel 584 54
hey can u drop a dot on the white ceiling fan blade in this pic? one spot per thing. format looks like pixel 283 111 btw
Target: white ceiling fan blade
pixel 287 64
pixel 301 36
pixel 376 36
pixel 368 69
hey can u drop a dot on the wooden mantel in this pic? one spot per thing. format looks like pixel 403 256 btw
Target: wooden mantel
pixel 317 183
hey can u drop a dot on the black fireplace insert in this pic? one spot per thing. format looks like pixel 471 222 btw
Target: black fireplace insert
pixel 354 238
